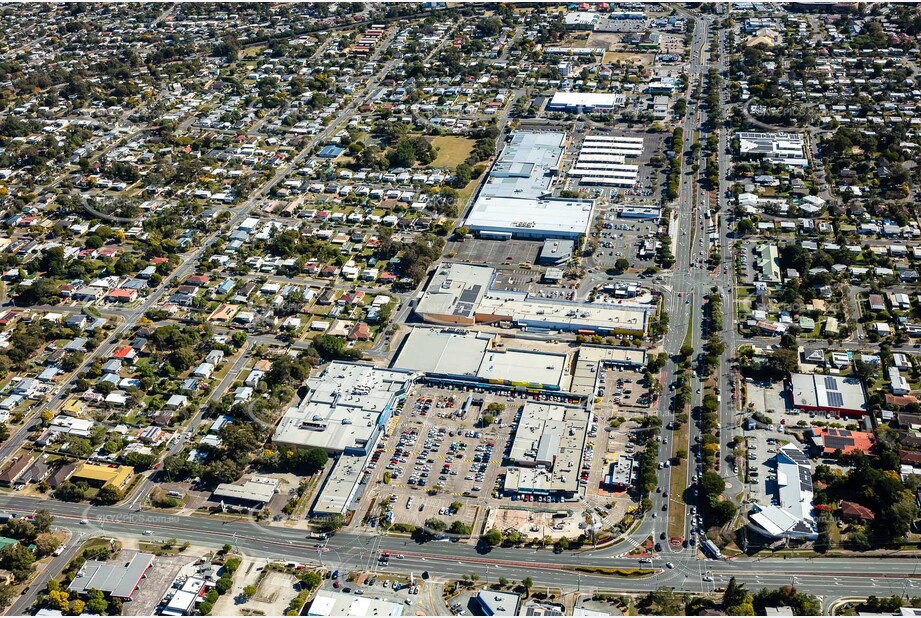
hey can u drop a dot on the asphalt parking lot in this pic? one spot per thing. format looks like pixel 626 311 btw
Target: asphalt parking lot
pixel 439 454
pixel 622 238
pixel 519 279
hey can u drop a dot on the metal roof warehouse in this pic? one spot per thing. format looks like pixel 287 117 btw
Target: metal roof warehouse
pixel 516 198
pixel 827 394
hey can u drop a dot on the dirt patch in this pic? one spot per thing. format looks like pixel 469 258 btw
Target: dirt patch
pixel 274 590
pixel 274 593
pixel 629 58
pixel 537 524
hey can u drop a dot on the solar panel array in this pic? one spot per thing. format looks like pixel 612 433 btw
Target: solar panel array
pixel 835 399
pixel 467 300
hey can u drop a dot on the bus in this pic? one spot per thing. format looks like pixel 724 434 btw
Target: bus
pixel 711 550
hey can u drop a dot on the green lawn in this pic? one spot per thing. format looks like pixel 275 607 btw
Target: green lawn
pixel 452 150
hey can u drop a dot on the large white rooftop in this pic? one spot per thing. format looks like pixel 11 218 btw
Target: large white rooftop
pixel 343 408
pixel 457 352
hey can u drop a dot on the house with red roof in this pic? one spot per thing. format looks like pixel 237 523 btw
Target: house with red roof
pixel 122 295
pixel 828 440
pixel 851 511
pixel 360 332
pixel 125 352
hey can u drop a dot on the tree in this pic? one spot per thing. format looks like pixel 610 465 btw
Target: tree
pixel 712 484
pixel 109 494
pixel 722 512
pixel 621 265
pixel 249 591
pixel 459 527
pixel 223 584
pixel 80 447
pixel 528 583
pixel 503 581
pixel 42 520
pixel 71 492
pixel 333 523
pixel 140 461
pixel 493 537
pixel 96 602
pixel 734 593
pixel 435 524
pixel 17 559
pixel 311 580
pixel 59 600
pixel 19 529
pixel 7 594
pixel 77 606
pixel 45 544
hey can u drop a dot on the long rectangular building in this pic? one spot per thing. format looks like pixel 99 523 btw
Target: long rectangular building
pixel 461 294
pixel 585 102
pixel 516 199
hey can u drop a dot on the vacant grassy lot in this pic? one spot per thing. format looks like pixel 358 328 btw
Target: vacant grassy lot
pixel 628 57
pixel 452 150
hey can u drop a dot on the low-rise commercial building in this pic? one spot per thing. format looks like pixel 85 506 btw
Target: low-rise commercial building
pixel 585 101
pixel 345 409
pixel 457 356
pixel 98 475
pixel 793 517
pixel 783 148
pixel 823 393
pixel 461 294
pixel 516 199
pixel 341 604
pixel 546 453
pixel 117 580
pixel 256 491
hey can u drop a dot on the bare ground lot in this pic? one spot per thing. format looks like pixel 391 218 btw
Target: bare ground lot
pixel 274 591
pixel 537 524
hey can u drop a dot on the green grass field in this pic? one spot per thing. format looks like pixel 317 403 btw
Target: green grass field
pixel 452 150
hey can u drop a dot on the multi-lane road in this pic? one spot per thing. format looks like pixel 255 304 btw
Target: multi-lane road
pixel 830 578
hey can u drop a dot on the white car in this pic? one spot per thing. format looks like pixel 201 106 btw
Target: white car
pixel 707 578
pixel 148 533
pixel 670 565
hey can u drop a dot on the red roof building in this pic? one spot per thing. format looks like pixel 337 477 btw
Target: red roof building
pixel 125 352
pixel 360 332
pixel 830 440
pixel 122 295
pixel 855 512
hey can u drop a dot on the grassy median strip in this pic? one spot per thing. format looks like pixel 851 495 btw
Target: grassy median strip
pixel 615 572
pixel 678 478
pixel 678 483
